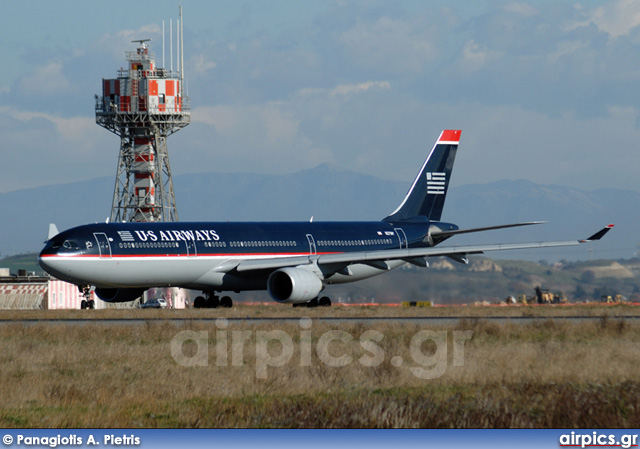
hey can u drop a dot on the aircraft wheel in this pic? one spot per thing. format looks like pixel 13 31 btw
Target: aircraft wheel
pixel 83 304
pixel 199 303
pixel 226 302
pixel 324 302
pixel 213 302
pixel 91 304
pixel 313 303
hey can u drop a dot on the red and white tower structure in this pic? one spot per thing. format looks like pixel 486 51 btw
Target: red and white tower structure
pixel 144 105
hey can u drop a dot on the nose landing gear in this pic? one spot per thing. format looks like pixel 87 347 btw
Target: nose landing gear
pixel 87 302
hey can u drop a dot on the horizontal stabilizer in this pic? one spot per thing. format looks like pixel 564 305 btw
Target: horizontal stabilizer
pixel 441 234
pixel 53 231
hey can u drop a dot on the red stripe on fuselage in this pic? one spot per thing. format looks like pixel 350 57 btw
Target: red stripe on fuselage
pixel 124 256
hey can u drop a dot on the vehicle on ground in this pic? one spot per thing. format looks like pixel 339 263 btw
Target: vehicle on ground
pixel 154 303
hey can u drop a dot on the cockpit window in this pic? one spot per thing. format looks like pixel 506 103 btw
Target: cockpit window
pixel 61 242
pixel 70 244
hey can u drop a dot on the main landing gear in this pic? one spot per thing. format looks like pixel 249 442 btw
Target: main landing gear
pixel 211 301
pixel 323 301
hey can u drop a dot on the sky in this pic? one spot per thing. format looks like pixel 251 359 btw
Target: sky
pixel 543 90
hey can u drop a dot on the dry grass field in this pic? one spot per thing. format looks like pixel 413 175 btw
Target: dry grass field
pixel 322 374
pixel 271 309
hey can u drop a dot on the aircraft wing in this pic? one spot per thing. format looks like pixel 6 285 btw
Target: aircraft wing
pixel 412 255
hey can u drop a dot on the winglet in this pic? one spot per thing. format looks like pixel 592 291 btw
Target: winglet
pixel 598 235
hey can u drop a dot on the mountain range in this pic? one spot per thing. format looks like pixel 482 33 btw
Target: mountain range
pixel 330 193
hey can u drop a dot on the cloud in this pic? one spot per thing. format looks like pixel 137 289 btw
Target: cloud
pixel 522 9
pixel 617 18
pixel 264 137
pixel 73 129
pixel 391 45
pixel 518 143
pixel 474 57
pixel 347 89
pixel 267 125
pixel 40 148
pixel 289 133
pixel 565 49
pixel 200 65
pixel 359 84
pixel 46 80
pixel 115 44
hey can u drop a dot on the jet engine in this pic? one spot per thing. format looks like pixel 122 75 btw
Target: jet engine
pixel 119 294
pixel 293 285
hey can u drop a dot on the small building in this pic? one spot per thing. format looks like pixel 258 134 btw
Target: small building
pixel 63 295
pixel 26 291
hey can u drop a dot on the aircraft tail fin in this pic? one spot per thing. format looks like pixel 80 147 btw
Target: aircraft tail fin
pixel 53 231
pixel 426 196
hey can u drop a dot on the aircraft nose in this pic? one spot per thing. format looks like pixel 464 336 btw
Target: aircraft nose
pixel 46 259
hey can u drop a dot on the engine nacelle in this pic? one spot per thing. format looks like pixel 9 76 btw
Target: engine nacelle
pixel 293 285
pixel 119 294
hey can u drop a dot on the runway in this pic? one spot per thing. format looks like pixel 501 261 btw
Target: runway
pixel 424 321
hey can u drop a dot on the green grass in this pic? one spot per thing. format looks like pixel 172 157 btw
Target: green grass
pixel 519 405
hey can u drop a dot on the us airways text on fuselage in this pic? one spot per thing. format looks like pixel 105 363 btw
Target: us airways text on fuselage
pixel 200 235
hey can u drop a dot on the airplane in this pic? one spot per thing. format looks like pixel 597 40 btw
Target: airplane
pixel 292 261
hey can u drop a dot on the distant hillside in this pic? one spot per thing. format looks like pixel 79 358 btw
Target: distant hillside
pixel 27 262
pixel 330 193
pixel 447 282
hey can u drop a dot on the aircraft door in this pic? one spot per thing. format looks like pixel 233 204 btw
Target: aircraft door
pixel 312 245
pixel 192 251
pixel 402 237
pixel 103 244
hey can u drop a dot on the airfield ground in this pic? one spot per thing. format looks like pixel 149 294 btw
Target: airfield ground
pixel 271 309
pixel 474 373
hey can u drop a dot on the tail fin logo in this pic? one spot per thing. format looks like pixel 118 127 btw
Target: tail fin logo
pixel 436 182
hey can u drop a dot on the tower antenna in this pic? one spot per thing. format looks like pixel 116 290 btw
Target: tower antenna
pixel 181 50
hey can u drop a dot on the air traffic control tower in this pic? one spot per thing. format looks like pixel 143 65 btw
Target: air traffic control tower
pixel 144 105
